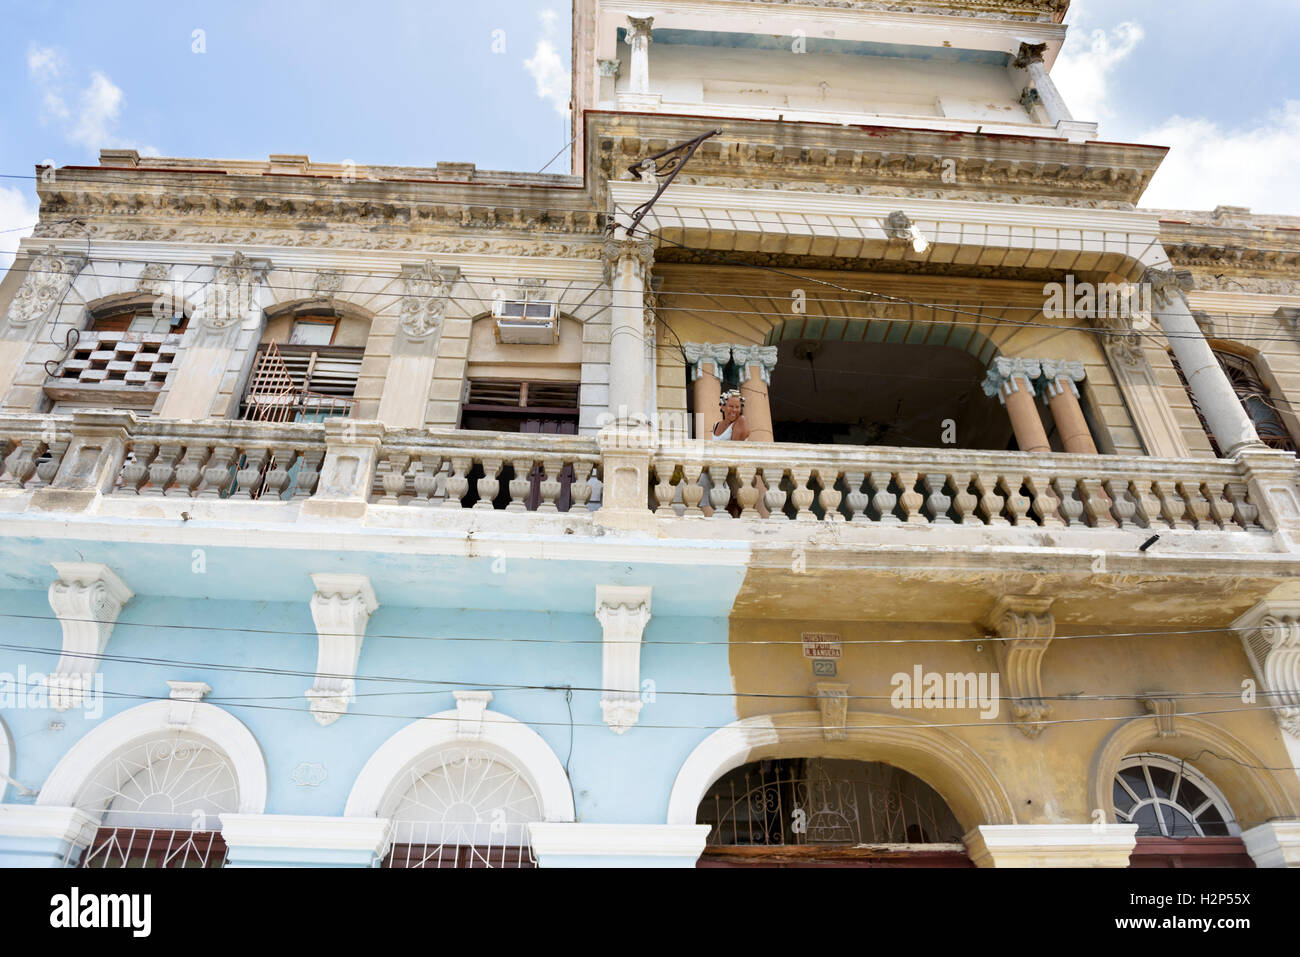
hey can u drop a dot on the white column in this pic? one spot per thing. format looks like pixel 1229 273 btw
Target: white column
pixel 1228 421
pixel 623 612
pixel 1030 60
pixel 638 38
pixel 626 263
pixel 87 598
pixel 341 609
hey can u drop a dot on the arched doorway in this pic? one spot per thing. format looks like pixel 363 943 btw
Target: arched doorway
pixel 803 812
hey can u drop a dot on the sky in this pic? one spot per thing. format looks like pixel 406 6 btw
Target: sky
pixel 415 82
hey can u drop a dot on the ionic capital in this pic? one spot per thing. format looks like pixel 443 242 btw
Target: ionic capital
pixel 638 253
pixel 1168 284
pixel 1007 376
pixel 762 356
pixel 698 353
pixel 1062 374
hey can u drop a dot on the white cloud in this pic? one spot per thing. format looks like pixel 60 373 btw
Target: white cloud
pixel 547 67
pixel 98 106
pixel 1210 166
pixel 1083 70
pixel 17 217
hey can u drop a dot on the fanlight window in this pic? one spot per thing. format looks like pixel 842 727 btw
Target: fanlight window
pixel 463 807
pixel 1168 798
pixel 160 802
pixel 822 801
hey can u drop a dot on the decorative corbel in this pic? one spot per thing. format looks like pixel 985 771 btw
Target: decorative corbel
pixel 184 696
pixel 86 598
pixel 470 706
pixel 898 225
pixel 623 612
pixel 1270 633
pixel 1165 710
pixel 425 295
pixel 341 609
pixel 1025 628
pixel 833 700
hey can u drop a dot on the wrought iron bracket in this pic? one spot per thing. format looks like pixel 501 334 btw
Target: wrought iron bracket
pixel 663 168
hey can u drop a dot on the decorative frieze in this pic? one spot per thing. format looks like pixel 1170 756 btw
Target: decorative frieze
pixel 1025 627
pixel 341 609
pixel 87 598
pixel 623 612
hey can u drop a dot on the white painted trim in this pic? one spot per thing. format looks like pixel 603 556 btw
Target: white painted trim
pixel 40 821
pixel 220 728
pixel 1052 845
pixel 1275 844
pixel 611 840
pixel 6 758
pixel 523 747
pixel 307 832
pixel 722 751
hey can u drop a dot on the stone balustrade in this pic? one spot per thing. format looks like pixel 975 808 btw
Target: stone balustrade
pixel 67 461
pixel 818 483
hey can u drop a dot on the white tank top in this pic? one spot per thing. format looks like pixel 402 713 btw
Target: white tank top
pixel 725 435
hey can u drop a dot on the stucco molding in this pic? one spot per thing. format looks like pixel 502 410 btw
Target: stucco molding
pixel 623 612
pixel 307 832
pixel 87 598
pixel 1025 627
pixel 341 609
pixel 222 730
pixel 1270 635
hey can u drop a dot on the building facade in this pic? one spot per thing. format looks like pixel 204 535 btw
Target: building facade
pixel 361 515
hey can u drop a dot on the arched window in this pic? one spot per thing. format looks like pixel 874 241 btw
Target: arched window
pixel 822 809
pixel 1165 797
pixel 463 807
pixel 1256 398
pixel 159 802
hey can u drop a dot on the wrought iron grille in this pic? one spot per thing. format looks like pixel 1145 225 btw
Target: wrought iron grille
pixel 160 803
pixel 816 801
pixel 463 807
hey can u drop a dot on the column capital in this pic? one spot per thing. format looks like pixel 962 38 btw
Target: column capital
pixel 1005 377
pixel 700 352
pixel 1167 283
pixel 617 845
pixel 1056 371
pixel 1275 844
pixel 762 356
pixel 617 252
pixel 639 28
pixel 1029 53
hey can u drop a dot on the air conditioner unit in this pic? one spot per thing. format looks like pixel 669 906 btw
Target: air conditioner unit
pixel 526 323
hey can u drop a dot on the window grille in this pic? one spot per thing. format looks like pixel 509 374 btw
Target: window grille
pixel 1165 797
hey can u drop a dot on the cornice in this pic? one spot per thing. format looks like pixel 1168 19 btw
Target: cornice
pixel 1034 11
pixel 815 157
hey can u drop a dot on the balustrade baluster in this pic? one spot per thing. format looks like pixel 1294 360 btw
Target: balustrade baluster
pixel 1198 506
pixel 1172 506
pixel 1244 512
pixel 802 495
pixel 550 485
pixel 489 486
pixel 162 470
pixel 856 500
pixel 747 494
pixel 457 481
pixel 692 491
pixel 1071 507
pixel 136 470
pixel 1046 503
pixel 937 502
pixel 664 489
pixel 882 499
pixel 217 472
pixel 965 503
pixel 910 499
pixel 991 503
pixel 1122 504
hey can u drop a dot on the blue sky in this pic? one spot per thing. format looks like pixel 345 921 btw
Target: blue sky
pixel 411 82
